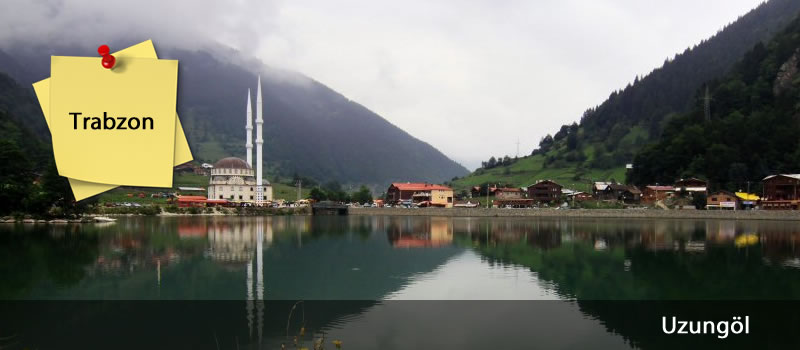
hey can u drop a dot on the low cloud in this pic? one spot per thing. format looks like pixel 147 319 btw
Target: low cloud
pixel 469 77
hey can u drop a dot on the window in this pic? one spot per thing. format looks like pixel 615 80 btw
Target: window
pixel 220 196
pixel 240 197
pixel 251 197
pixel 713 199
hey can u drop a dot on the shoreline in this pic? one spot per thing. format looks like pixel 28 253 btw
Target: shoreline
pixel 785 215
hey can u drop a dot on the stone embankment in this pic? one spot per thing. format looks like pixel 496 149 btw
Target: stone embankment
pixel 792 215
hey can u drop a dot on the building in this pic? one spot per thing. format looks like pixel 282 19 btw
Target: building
pixel 652 194
pixel 545 191
pixel 781 192
pixel 691 185
pixel 476 191
pixel 199 201
pixel 722 200
pixel 747 200
pixel 508 193
pixel 576 195
pixel 189 168
pixel 600 191
pixel 420 194
pixel 234 179
pixel 626 193
pixel 617 192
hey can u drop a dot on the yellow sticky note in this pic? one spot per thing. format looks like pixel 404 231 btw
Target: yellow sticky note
pixel 82 189
pixel 114 126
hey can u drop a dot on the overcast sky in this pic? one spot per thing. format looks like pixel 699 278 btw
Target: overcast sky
pixel 469 77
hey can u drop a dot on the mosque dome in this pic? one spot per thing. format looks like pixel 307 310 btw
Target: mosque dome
pixel 231 163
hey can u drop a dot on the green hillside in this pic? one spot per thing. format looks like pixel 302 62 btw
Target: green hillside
pixel 530 169
pixel 610 135
pixel 751 129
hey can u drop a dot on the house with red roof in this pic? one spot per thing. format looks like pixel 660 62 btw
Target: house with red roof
pixel 420 193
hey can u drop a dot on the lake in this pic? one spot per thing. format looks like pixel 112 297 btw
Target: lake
pixel 393 282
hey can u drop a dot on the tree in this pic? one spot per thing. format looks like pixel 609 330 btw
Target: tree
pixel 546 142
pixel 363 195
pixel 318 194
pixel 492 163
pixel 562 133
pixel 699 200
pixel 16 179
pixel 572 141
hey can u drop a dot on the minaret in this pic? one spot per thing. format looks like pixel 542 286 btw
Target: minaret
pixel 249 128
pixel 259 142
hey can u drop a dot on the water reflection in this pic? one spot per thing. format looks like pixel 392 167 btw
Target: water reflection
pixel 255 260
pixel 279 257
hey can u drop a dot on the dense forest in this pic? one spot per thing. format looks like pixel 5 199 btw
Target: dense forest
pixel 29 180
pixel 642 106
pixel 748 129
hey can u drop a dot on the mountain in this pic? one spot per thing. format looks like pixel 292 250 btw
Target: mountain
pixel 609 135
pixel 309 129
pixel 752 128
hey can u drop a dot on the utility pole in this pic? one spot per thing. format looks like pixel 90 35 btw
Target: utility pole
pixel 707 105
pixel 574 192
pixel 299 189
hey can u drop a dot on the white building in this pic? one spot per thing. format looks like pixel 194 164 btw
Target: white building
pixel 234 179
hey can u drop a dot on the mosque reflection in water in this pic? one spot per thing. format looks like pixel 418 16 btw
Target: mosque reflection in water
pixel 368 259
pixel 239 244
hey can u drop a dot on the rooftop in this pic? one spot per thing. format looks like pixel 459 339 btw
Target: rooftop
pixel 232 163
pixel 419 186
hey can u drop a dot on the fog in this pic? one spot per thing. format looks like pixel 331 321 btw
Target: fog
pixel 469 77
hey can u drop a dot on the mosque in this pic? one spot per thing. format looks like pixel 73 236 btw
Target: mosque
pixel 234 179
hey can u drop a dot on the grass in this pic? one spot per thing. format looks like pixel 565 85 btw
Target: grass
pixel 528 170
pixel 282 191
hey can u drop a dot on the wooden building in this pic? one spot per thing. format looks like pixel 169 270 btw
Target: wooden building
pixel 576 195
pixel 424 194
pixel 652 194
pixel 508 193
pixel 691 185
pixel 626 193
pixel 722 200
pixel 476 191
pixel 600 191
pixel 617 192
pixel 781 192
pixel 545 191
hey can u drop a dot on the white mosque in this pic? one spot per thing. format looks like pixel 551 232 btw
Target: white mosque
pixel 232 178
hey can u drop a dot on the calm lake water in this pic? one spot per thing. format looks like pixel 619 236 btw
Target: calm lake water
pixel 383 282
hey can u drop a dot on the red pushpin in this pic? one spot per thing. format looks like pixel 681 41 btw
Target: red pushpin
pixel 108 59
